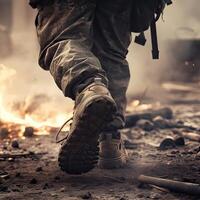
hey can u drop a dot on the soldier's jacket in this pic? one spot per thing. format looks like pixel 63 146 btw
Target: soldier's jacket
pixel 83 39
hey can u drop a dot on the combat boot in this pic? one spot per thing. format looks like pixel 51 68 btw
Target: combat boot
pixel 94 109
pixel 112 154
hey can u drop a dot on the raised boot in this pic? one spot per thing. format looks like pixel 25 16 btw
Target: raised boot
pixel 94 109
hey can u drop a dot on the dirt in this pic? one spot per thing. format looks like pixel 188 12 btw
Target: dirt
pixel 39 177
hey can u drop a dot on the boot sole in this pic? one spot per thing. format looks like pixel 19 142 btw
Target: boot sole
pixel 79 154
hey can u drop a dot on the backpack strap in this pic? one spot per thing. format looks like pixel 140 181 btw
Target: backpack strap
pixel 154 40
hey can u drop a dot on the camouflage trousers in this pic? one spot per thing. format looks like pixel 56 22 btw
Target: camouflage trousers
pixel 83 39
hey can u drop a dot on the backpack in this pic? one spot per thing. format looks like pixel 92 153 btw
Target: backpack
pixel 144 14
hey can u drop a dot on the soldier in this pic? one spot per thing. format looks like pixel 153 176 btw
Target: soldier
pixel 84 44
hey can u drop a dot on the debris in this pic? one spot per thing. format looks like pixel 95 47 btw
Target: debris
pixel 123 198
pixel 174 186
pixel 4 133
pixel 160 122
pixel 145 125
pixel 15 144
pixel 18 174
pixel 63 189
pixel 33 181
pixel 57 178
pixel 191 136
pixel 4 176
pixel 198 156
pixel 129 145
pixel 5 156
pixel 29 132
pixel 16 190
pixel 39 169
pixel 3 188
pixel 46 186
pixel 88 195
pixel 180 141
pixel 167 143
pixel 131 119
pixel 188 135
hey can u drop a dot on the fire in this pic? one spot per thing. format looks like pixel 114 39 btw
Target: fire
pixel 36 111
pixel 18 121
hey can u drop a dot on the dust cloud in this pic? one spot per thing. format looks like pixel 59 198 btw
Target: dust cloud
pixel 180 20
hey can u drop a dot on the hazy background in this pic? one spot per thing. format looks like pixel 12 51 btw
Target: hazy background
pixel 29 79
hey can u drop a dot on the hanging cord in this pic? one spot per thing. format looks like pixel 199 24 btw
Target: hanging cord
pixel 60 130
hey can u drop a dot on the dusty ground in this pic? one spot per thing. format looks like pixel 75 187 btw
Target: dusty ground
pixel 40 178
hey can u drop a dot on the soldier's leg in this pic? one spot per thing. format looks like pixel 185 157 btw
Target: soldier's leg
pixel 64 30
pixel 112 37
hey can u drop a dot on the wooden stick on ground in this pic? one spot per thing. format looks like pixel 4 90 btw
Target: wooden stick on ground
pixel 191 136
pixel 175 186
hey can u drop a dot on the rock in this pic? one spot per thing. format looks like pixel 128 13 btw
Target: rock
pixel 39 169
pixel 15 144
pixel 141 196
pixel 33 181
pixel 129 145
pixel 123 198
pixel 46 186
pixel 4 133
pixel 29 132
pixel 88 195
pixel 145 125
pixel 159 122
pixel 16 190
pixel 63 189
pixel 5 176
pixel 197 156
pixel 57 178
pixel 3 188
pixel 179 141
pixel 167 143
pixel 54 194
pixel 18 174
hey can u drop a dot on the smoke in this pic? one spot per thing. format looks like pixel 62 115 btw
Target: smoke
pixel 181 20
pixel 30 80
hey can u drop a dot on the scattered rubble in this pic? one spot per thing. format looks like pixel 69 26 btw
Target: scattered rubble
pixel 29 132
pixel 4 133
pixel 41 172
pixel 33 181
pixel 145 125
pixel 167 143
pixel 15 144
pixel 160 122
pixel 88 195
pixel 39 169
pixel 131 119
pixel 179 141
pixel 3 188
pixel 129 145
pixel 15 155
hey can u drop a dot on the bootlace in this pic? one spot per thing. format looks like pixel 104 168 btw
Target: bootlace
pixel 60 130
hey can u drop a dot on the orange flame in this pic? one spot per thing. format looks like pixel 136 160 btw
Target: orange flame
pixel 9 117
